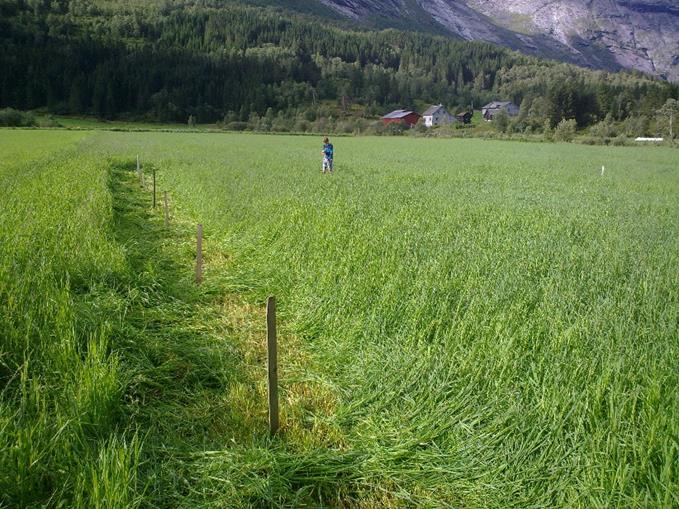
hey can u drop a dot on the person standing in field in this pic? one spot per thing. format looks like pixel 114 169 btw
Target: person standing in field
pixel 328 153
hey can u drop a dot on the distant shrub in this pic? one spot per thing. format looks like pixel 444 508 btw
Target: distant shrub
pixel 419 129
pixel 446 131
pixel 501 121
pixel 490 135
pixel 603 129
pixel 231 116
pixel 396 128
pixel 565 130
pixel 589 140
pixel 637 126
pixel 620 141
pixel 48 121
pixel 547 131
pixel 302 125
pixel 321 125
pixel 237 126
pixel 377 128
pixel 281 125
pixel 360 125
pixel 9 117
pixel 344 127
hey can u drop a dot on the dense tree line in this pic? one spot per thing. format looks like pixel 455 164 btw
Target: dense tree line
pixel 215 59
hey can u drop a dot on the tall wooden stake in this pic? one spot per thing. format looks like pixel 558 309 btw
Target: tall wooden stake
pixel 272 364
pixel 199 254
pixel 154 187
pixel 167 210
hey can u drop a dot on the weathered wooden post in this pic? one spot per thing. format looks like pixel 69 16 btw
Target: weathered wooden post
pixel 199 254
pixel 167 210
pixel 154 187
pixel 272 350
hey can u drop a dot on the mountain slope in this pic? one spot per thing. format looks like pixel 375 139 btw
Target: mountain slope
pixel 127 59
pixel 606 34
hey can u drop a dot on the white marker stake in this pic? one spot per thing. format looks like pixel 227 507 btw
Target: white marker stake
pixel 603 169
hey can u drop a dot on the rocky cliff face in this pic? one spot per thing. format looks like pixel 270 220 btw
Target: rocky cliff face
pixel 608 34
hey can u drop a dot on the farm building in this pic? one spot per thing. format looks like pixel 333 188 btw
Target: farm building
pixel 398 116
pixel 465 117
pixel 437 115
pixel 490 109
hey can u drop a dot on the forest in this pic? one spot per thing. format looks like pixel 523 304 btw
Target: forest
pixel 223 61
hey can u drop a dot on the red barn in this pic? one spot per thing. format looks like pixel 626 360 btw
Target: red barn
pixel 398 116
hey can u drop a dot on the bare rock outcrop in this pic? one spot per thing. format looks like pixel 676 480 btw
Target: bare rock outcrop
pixel 606 34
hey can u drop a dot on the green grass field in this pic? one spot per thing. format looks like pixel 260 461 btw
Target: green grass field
pixel 462 323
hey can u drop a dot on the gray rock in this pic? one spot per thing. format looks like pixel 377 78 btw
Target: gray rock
pixel 605 34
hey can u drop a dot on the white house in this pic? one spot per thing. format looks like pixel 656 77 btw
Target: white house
pixel 437 115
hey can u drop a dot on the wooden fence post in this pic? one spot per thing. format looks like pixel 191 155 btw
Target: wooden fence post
pixel 272 364
pixel 167 210
pixel 199 254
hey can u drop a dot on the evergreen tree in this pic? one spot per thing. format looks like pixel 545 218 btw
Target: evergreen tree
pixel 174 59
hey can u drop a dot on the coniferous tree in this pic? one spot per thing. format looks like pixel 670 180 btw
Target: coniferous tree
pixel 167 61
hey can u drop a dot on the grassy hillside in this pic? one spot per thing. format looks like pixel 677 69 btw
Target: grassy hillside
pixel 462 323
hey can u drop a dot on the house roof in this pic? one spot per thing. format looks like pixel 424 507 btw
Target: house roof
pixel 496 104
pixel 432 109
pixel 398 114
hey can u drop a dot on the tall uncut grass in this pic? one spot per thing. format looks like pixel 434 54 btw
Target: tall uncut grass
pixel 497 322
pixel 463 324
pixel 61 386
